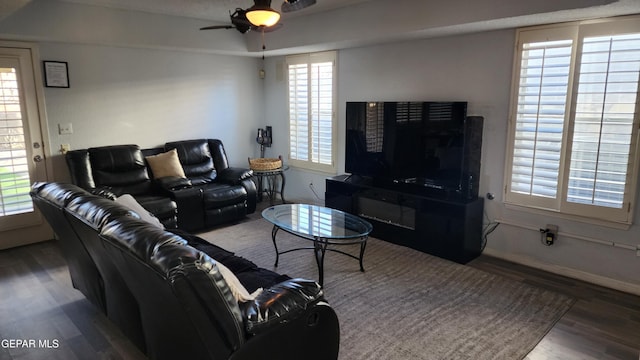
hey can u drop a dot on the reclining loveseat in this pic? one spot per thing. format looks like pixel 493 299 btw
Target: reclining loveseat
pixel 186 184
pixel 167 289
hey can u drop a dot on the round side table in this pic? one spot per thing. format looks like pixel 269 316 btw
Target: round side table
pixel 268 183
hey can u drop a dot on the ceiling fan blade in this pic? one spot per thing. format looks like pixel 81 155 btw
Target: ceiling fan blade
pixel 240 21
pixel 215 27
pixel 294 5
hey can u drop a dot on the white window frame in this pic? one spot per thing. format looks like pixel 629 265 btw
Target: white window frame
pixel 559 205
pixel 310 164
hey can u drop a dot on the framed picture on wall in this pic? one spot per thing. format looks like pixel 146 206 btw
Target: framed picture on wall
pixel 56 74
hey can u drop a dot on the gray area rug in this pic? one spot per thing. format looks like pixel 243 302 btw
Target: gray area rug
pixel 407 304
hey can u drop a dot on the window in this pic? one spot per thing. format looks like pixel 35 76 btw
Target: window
pixel 574 119
pixel 312 115
pixel 15 181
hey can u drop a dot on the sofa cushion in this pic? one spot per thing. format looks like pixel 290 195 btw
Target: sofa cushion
pixel 144 214
pixel 173 183
pixel 160 206
pixel 166 164
pixel 250 275
pixel 237 289
pixel 221 195
pixel 195 157
pixel 57 193
pixel 120 167
pixel 96 211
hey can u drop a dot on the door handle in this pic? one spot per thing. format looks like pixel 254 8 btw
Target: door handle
pixel 37 158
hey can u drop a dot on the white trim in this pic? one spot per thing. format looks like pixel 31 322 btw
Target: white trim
pixel 308 59
pixel 559 205
pixel 576 236
pixel 565 271
pixel 558 214
pixel 42 109
pixel 31 227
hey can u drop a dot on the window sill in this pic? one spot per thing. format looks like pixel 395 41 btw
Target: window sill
pixel 557 214
pixel 315 171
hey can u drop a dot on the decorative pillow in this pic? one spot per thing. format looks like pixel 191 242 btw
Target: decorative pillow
pixel 239 292
pixel 166 164
pixel 131 203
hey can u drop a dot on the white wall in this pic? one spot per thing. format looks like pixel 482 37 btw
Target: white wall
pixel 475 68
pixel 141 78
pixel 147 97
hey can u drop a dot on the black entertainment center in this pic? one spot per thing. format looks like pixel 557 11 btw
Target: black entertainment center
pixel 414 170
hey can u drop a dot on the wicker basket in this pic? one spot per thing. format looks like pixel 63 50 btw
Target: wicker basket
pixel 265 164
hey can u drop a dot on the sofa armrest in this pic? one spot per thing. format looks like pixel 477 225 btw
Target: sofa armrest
pixel 280 303
pixel 105 191
pixel 80 168
pixel 312 335
pixel 172 183
pixel 234 175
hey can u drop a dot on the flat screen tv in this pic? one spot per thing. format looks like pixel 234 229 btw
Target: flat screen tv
pixel 409 142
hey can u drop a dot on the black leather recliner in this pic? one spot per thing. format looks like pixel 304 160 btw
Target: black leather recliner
pixel 223 193
pixel 52 201
pixel 212 193
pixel 120 169
pixel 165 292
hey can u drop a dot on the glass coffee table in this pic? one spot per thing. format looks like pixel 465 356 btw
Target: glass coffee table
pixel 324 227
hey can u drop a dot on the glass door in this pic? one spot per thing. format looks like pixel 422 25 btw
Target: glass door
pixel 22 155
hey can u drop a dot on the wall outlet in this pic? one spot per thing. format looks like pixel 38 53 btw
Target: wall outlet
pixel 65 148
pixel 550 234
pixel 65 129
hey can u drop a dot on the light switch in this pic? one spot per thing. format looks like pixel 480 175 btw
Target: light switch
pixel 65 129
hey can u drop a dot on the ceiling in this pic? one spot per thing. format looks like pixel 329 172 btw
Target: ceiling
pixel 327 25
pixel 215 10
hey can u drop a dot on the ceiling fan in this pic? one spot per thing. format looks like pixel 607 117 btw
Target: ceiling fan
pixel 241 22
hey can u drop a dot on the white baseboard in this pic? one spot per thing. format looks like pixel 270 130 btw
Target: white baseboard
pixel 568 272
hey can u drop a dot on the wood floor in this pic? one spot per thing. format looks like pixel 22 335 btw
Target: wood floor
pixel 43 317
pixel 602 324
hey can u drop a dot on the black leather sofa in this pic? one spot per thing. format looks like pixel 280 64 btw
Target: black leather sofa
pixel 210 193
pixel 164 289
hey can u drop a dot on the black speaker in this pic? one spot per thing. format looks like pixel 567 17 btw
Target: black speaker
pixel 472 157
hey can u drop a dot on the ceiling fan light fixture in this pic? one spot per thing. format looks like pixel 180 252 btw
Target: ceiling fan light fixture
pixel 261 14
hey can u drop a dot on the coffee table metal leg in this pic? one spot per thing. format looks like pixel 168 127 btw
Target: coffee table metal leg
pixel 320 248
pixel 274 231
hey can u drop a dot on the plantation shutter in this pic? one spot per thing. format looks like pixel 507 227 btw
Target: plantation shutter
pixel 322 112
pixel 574 128
pixel 540 116
pixel 299 111
pixel 312 123
pixel 14 171
pixel 604 118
